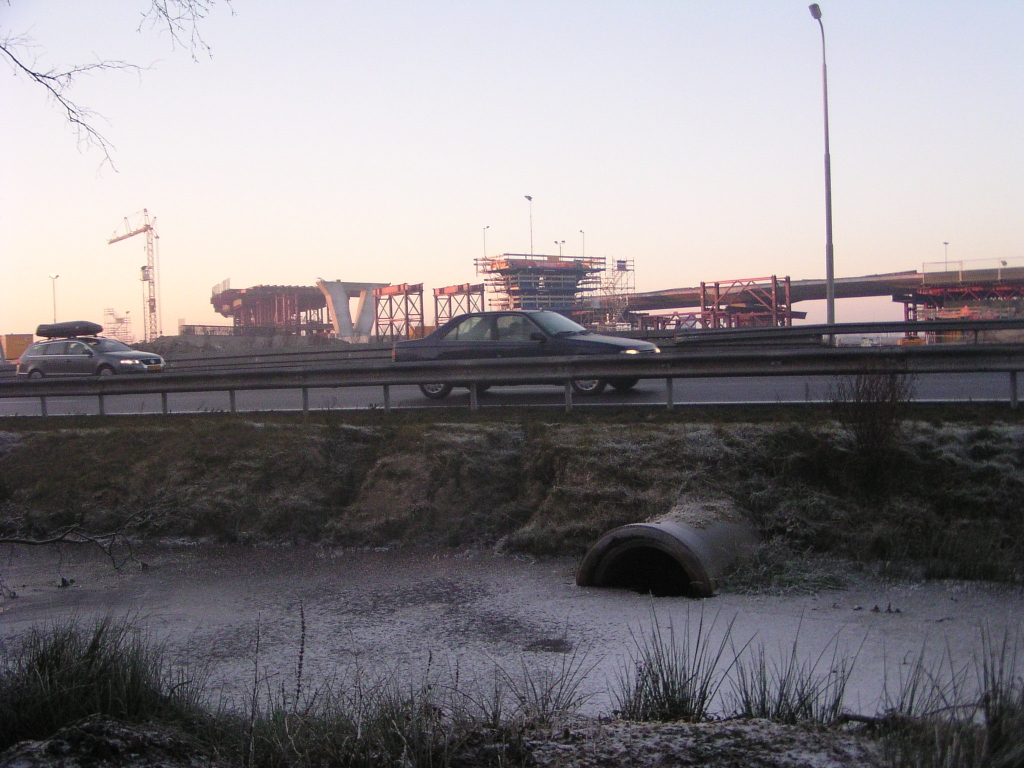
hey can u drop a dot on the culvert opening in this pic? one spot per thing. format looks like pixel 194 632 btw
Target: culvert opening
pixel 648 571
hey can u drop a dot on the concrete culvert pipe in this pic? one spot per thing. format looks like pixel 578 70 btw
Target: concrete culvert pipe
pixel 682 553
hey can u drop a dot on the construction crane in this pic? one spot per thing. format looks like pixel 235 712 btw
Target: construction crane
pixel 152 330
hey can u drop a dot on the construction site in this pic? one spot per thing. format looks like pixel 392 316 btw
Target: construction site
pixel 598 292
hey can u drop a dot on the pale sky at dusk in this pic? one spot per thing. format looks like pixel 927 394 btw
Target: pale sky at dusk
pixel 374 141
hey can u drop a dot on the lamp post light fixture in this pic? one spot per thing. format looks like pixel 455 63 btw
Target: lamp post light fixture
pixel 53 281
pixel 830 278
pixel 584 254
pixel 559 243
pixel 485 239
pixel 528 197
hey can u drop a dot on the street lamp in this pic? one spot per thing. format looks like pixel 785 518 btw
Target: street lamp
pixel 53 280
pixel 830 278
pixel 531 222
pixel 559 243
pixel 945 265
pixel 584 243
pixel 485 239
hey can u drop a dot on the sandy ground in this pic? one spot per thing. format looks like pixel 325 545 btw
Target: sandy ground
pixel 414 610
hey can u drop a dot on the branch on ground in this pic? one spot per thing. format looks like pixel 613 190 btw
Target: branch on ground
pixel 115 543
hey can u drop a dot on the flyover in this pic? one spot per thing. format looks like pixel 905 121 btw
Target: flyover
pixel 889 284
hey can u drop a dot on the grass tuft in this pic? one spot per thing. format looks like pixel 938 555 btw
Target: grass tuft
pixel 790 690
pixel 66 671
pixel 938 719
pixel 674 676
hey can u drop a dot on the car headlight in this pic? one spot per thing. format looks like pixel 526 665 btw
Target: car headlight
pixel 630 352
pixel 657 350
pixel 131 362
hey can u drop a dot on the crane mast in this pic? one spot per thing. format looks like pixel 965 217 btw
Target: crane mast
pixel 152 328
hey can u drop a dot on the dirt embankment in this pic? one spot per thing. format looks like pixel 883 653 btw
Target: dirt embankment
pixel 946 498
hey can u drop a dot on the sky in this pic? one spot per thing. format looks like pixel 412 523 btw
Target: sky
pixel 374 141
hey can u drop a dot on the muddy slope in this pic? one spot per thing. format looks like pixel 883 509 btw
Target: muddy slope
pixel 948 497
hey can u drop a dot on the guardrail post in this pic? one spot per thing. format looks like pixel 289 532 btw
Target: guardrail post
pixel 474 402
pixel 231 399
pixel 305 402
pixel 1013 390
pixel 387 398
pixel 42 405
pixel 103 410
pixel 670 400
pixel 163 403
pixel 568 395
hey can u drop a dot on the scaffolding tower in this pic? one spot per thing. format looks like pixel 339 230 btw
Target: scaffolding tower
pixel 118 326
pixel 399 312
pixel 526 281
pixel 454 300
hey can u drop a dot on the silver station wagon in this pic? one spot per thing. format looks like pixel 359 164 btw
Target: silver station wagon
pixel 68 352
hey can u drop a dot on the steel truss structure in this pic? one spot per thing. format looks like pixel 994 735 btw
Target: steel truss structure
pixel 751 302
pixel 526 281
pixel 455 300
pixel 399 312
pixel 287 309
pixel 930 299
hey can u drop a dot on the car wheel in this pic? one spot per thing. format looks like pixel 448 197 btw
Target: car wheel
pixel 623 385
pixel 35 374
pixel 436 391
pixel 105 371
pixel 588 386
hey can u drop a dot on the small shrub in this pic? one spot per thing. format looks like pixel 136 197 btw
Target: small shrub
pixel 872 405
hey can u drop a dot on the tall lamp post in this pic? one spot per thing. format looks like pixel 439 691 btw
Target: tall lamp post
pixel 53 281
pixel 485 239
pixel 830 277
pixel 559 243
pixel 945 264
pixel 528 197
pixel 584 254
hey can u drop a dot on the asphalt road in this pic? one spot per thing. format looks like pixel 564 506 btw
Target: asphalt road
pixel 976 387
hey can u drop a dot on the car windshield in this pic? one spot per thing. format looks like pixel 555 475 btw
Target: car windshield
pixel 108 345
pixel 556 324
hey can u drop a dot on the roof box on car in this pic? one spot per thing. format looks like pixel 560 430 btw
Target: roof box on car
pixel 69 329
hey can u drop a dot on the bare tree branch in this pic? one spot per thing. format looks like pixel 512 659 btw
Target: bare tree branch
pixel 180 17
pixel 107 541
pixel 57 83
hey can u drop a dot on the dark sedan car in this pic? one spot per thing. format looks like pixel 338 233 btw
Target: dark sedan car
pixel 529 333
pixel 85 356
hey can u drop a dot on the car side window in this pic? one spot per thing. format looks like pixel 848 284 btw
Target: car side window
pixel 57 348
pixel 513 328
pixel 477 328
pixel 77 348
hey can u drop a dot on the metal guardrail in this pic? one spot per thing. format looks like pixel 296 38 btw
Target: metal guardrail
pixel 271 360
pixel 825 361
